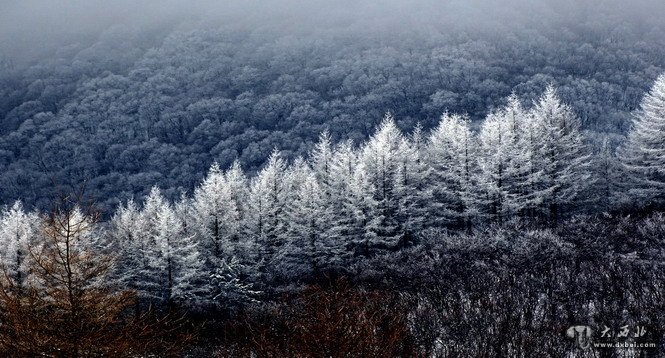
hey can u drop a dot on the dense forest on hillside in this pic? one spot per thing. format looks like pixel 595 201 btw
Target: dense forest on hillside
pixel 128 110
pixel 399 235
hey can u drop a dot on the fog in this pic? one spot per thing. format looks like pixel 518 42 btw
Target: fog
pixel 32 28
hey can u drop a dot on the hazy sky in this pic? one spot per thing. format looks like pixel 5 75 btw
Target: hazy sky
pixel 32 26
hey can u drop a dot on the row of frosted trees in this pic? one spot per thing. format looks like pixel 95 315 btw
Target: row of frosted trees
pixel 345 203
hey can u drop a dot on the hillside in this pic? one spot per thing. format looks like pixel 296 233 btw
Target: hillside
pixel 128 108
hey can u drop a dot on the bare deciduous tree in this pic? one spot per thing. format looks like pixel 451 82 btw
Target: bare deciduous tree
pixel 68 307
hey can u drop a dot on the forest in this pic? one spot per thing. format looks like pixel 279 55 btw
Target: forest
pixel 523 193
pixel 132 109
pixel 464 179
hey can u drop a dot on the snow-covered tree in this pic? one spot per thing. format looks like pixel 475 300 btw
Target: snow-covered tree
pixel 267 219
pixel 177 255
pixel 216 216
pixel 412 184
pixel 169 266
pixel 18 230
pixel 451 154
pixel 643 155
pixel 213 218
pixel 351 226
pixel 70 306
pixel 308 218
pixel 126 234
pixel 534 192
pixel 503 160
pixel 321 162
pixel 226 289
pixel 152 278
pixel 367 215
pixel 238 188
pixel 380 158
pixel 563 156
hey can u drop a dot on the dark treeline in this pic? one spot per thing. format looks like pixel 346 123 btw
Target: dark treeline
pixel 130 109
pixel 502 292
pixel 509 290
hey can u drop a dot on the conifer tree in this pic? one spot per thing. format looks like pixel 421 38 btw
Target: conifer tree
pixel 238 189
pixel 169 268
pixel 451 154
pixel 70 306
pixel 380 158
pixel 643 155
pixel 18 230
pixel 350 204
pixel 126 233
pixel 564 159
pixel 214 216
pixel 307 221
pixel 267 217
pixel 503 161
pixel 321 162
pixel 412 185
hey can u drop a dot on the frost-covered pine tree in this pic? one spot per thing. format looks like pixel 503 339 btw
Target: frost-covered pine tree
pixel 18 230
pixel 307 245
pixel 351 226
pixel 170 266
pixel 643 154
pixel 354 220
pixel 534 192
pixel 563 156
pixel 177 255
pixel 238 189
pixel 226 288
pixel 215 216
pixel 367 214
pixel 216 212
pixel 267 219
pixel 380 158
pixel 126 231
pixel 185 258
pixel 155 230
pixel 503 160
pixel 412 185
pixel 451 155
pixel 321 163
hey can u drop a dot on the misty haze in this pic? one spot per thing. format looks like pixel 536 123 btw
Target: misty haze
pixel 288 178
